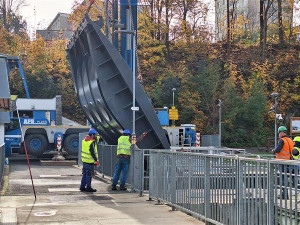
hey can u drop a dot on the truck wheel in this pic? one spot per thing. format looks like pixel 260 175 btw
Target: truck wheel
pixel 36 144
pixel 71 144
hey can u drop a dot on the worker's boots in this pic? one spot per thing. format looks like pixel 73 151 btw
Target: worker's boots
pixel 90 190
pixel 113 188
pixel 123 188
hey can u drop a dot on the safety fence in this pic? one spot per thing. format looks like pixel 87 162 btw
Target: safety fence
pixel 227 189
pixel 138 175
pixel 220 189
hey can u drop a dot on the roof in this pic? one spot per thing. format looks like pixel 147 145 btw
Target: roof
pixel 56 17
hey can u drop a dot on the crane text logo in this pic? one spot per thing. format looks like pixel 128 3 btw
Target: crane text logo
pixel 34 122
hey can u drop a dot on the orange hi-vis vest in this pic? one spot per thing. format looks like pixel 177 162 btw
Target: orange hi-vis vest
pixel 286 151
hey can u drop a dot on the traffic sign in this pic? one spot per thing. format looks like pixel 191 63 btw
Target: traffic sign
pixel 173 114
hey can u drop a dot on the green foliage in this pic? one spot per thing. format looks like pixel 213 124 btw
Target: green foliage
pixel 231 109
pixel 208 83
pixel 163 95
pixel 244 119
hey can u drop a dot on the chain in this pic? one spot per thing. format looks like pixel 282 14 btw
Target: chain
pixel 139 77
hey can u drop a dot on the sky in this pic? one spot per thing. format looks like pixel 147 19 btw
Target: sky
pixel 45 11
pixel 39 13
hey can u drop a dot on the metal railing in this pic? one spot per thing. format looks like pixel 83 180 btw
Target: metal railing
pixel 227 189
pixel 138 175
pixel 220 189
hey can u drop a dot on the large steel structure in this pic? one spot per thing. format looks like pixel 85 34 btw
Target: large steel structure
pixel 103 82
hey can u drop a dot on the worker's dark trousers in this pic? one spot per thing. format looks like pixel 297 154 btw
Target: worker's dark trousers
pixel 287 179
pixel 87 172
pixel 122 165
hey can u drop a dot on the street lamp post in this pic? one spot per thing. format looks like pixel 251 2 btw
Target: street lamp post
pixel 134 108
pixel 275 96
pixel 173 90
pixel 220 119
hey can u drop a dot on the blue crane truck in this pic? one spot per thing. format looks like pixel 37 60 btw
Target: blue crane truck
pixel 40 121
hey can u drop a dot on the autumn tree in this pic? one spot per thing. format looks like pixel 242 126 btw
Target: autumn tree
pixel 79 9
pixel 231 107
pixel 208 81
pixel 267 10
pixel 9 16
pixel 280 23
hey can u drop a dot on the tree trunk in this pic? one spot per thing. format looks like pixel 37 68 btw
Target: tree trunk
pixel 167 28
pixel 261 23
pixel 291 9
pixel 233 20
pixel 152 18
pixel 159 13
pixel 184 19
pixel 280 24
pixel 4 14
pixel 228 27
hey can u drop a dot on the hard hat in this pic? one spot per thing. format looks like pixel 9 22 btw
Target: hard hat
pixel 93 131
pixel 282 129
pixel 126 131
pixel 297 139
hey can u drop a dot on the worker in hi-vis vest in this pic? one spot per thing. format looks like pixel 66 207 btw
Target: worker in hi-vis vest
pixel 122 164
pixel 296 149
pixel 89 157
pixel 285 145
pixel 296 153
pixel 284 151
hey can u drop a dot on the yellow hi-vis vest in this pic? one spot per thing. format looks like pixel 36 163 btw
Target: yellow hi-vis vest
pixel 85 152
pixel 124 146
pixel 298 156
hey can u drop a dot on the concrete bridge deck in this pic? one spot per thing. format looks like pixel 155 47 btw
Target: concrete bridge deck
pixel 59 200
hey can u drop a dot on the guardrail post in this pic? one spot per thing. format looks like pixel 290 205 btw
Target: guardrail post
pixel 239 192
pixel 160 175
pixel 142 158
pixel 101 160
pixel 207 205
pixel 132 168
pixel 111 161
pixel 189 178
pixel 270 203
pixel 151 175
pixel 173 180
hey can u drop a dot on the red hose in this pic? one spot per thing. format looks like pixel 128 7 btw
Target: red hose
pixel 28 163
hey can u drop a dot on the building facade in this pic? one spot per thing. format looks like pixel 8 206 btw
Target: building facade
pixel 59 28
pixel 249 11
pixel 4 106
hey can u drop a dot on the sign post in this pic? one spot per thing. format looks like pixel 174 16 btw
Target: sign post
pixel 294 125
